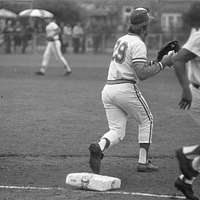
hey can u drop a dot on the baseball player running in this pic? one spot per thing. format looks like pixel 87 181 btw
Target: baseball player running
pixel 53 46
pixel 187 68
pixel 121 95
pixel 189 164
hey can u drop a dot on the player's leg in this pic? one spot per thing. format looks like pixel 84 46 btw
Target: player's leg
pixel 138 108
pixel 189 163
pixel 45 59
pixel 57 46
pixel 117 124
pixel 189 156
pixel 117 120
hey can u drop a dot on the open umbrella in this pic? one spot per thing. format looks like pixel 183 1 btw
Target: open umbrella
pixel 36 13
pixel 4 13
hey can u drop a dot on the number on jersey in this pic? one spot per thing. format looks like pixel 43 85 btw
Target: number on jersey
pixel 119 52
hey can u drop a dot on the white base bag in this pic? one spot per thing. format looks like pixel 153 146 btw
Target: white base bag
pixel 92 181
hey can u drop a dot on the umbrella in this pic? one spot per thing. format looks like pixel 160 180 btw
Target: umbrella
pixel 7 14
pixel 36 13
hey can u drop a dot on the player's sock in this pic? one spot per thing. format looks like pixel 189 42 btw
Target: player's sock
pixel 42 70
pixel 196 164
pixel 195 149
pixel 104 143
pixel 188 181
pixel 68 69
pixel 143 153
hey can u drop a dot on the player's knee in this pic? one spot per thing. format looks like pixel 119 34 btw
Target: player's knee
pixel 120 131
pixel 196 163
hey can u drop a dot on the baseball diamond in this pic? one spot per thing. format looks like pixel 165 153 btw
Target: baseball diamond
pixel 123 125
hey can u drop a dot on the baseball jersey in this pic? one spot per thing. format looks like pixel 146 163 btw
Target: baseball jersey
pixel 193 45
pixel 51 30
pixel 128 49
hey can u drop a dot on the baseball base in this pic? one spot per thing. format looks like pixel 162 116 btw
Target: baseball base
pixel 90 181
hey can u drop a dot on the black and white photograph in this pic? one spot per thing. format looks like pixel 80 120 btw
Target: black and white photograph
pixel 99 99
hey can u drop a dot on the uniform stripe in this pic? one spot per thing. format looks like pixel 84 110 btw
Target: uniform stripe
pixel 119 81
pixel 139 59
pixel 146 108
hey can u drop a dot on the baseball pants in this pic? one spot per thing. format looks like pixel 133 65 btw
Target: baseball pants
pixel 120 102
pixel 53 47
pixel 195 114
pixel 195 107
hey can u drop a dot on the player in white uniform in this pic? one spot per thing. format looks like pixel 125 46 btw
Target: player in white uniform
pixel 53 46
pixel 187 68
pixel 121 96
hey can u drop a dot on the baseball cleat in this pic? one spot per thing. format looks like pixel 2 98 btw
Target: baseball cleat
pixel 147 167
pixel 185 165
pixel 67 73
pixel 185 188
pixel 96 156
pixel 40 73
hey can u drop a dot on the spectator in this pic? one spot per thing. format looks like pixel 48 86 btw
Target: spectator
pixel 77 34
pixel 27 32
pixel 17 35
pixel 66 36
pixel 8 36
pixel 83 40
pixel 96 36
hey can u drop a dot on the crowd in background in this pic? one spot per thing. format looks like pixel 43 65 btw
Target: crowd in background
pixel 17 36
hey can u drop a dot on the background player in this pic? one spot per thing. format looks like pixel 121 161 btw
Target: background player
pixel 53 46
pixel 121 96
pixel 187 68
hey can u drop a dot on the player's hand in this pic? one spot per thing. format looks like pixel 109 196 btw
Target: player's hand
pixel 167 60
pixel 186 99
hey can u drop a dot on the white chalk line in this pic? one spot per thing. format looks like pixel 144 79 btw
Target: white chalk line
pixel 12 187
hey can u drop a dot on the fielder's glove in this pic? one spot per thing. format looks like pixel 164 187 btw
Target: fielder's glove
pixel 170 46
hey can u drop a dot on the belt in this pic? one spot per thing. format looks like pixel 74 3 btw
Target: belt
pixel 197 86
pixel 120 81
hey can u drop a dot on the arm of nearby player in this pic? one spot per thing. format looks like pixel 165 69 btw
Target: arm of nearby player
pixel 179 60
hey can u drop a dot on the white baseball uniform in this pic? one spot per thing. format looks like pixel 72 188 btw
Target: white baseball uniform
pixel 121 96
pixel 193 45
pixel 53 45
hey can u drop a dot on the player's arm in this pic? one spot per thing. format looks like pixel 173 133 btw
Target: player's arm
pixel 179 60
pixel 56 31
pixel 145 70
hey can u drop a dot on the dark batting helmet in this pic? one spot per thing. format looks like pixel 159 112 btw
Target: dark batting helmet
pixel 139 18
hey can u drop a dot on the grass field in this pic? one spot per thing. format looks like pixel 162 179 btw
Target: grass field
pixel 48 122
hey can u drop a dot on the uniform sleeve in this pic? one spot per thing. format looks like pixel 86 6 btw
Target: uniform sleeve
pixel 193 43
pixel 55 26
pixel 139 52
